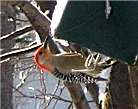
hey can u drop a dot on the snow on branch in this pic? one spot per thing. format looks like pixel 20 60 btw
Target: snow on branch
pixel 39 21
pixel 18 52
pixel 16 33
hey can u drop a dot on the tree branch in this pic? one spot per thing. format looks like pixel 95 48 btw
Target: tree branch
pixel 18 52
pixel 16 33
pixel 77 95
pixel 93 90
pixel 40 22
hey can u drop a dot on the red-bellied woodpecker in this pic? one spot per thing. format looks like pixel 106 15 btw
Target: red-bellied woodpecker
pixel 70 62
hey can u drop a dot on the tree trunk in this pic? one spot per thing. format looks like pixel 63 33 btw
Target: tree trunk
pixel 7 68
pixel 121 95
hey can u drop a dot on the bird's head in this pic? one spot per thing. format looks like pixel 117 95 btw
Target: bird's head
pixel 43 56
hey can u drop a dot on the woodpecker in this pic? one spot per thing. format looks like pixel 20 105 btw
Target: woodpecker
pixel 69 62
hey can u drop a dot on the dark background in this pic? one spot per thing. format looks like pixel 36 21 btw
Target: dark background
pixel 85 23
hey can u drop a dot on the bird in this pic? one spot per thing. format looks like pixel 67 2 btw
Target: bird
pixel 69 61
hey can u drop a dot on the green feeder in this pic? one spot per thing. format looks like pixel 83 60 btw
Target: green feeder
pixel 85 23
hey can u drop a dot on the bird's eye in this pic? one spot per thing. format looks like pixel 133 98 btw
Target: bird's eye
pixel 40 53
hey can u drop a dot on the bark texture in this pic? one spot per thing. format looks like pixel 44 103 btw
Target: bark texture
pixel 120 88
pixel 7 68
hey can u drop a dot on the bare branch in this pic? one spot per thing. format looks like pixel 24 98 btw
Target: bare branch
pixel 40 22
pixel 77 95
pixel 54 92
pixel 71 104
pixel 30 9
pixel 59 96
pixel 39 96
pixel 19 52
pixel 42 83
pixel 16 33
pixel 26 75
pixel 93 90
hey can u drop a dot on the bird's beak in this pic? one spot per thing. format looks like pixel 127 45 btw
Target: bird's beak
pixel 51 45
pixel 46 41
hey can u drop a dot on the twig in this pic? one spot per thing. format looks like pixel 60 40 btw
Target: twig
pixel 42 83
pixel 20 91
pixel 39 96
pixel 70 105
pixel 23 95
pixel 53 96
pixel 26 75
pixel 54 92
pixel 59 96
